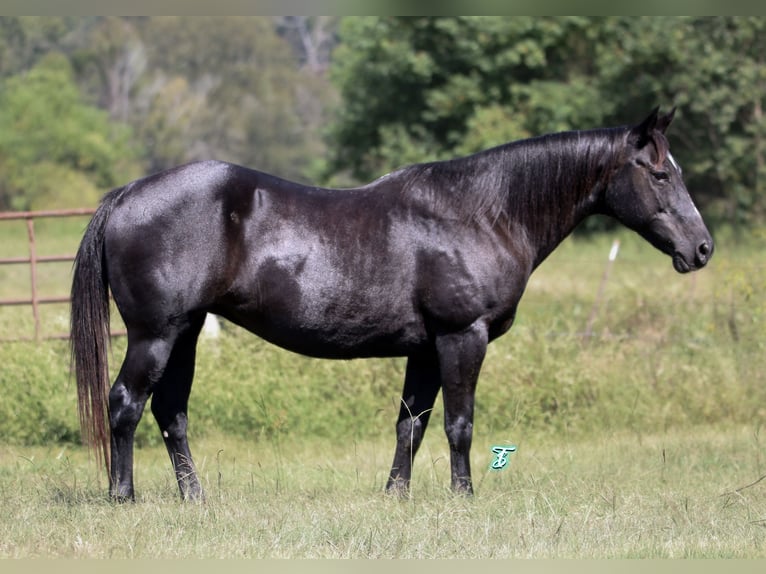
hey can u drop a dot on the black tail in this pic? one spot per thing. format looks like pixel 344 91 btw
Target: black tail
pixel 89 331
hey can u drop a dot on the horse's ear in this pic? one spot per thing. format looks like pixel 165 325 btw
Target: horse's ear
pixel 641 134
pixel 664 121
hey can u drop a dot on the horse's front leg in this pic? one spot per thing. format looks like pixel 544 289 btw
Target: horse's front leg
pixel 421 385
pixel 460 359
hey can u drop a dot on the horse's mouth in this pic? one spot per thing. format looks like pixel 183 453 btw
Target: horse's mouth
pixel 683 266
pixel 680 264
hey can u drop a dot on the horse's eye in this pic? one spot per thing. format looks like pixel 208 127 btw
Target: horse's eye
pixel 660 175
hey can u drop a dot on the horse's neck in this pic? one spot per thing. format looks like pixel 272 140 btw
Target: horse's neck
pixel 547 240
pixel 553 189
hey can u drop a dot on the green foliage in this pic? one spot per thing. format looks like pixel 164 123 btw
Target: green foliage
pixel 55 150
pixel 39 405
pixel 418 89
pixel 256 91
pixel 222 88
pixel 267 393
pixel 667 352
pixel 89 103
pixel 24 40
pixel 714 70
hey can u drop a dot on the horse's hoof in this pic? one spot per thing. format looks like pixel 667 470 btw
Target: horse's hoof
pixel 194 496
pixel 398 488
pixel 122 498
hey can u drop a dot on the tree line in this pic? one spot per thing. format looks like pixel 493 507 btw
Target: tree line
pixel 87 103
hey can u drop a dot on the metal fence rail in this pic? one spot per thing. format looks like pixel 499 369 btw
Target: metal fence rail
pixel 34 260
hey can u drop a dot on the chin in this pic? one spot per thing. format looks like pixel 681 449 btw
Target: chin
pixel 681 265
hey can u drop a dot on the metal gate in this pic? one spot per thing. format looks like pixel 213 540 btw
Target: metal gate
pixel 34 261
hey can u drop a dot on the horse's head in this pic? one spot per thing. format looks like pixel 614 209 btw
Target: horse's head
pixel 647 194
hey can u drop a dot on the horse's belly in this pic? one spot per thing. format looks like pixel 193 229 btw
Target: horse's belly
pixel 341 336
pixel 325 317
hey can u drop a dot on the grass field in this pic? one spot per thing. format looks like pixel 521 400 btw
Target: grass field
pixel 685 494
pixel 642 440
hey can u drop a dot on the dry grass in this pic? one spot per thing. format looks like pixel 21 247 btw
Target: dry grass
pixel 642 442
pixel 680 495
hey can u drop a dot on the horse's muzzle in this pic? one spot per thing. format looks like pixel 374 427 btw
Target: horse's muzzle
pixel 702 255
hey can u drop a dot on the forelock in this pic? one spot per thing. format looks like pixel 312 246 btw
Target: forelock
pixel 662 147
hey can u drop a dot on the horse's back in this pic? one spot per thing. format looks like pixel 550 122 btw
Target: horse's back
pixel 256 248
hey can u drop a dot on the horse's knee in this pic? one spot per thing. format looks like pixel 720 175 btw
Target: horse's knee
pixel 459 433
pixel 410 430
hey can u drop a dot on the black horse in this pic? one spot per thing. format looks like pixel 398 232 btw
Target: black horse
pixel 428 262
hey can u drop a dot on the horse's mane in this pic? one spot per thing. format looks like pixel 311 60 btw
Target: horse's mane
pixel 536 182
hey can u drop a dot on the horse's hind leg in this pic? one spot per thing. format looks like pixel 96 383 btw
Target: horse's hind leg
pixel 169 406
pixel 143 366
pixel 421 385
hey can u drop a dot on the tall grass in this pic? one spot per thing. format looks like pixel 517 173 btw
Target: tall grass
pixel 667 352
pixel 643 440
pixel 689 494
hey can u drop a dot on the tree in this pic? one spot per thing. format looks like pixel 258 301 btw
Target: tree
pixel 311 37
pixel 722 85
pixel 714 70
pixel 417 89
pixel 56 150
pixel 223 88
pixel 427 88
pixel 24 40
pixel 110 61
pixel 250 90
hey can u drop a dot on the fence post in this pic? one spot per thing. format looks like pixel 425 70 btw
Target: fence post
pixel 600 295
pixel 34 260
pixel 33 274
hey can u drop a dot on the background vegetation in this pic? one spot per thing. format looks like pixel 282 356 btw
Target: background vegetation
pixel 639 440
pixel 666 352
pixel 87 103
pixel 642 441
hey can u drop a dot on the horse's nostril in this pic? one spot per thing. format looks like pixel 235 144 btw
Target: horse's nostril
pixel 703 252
